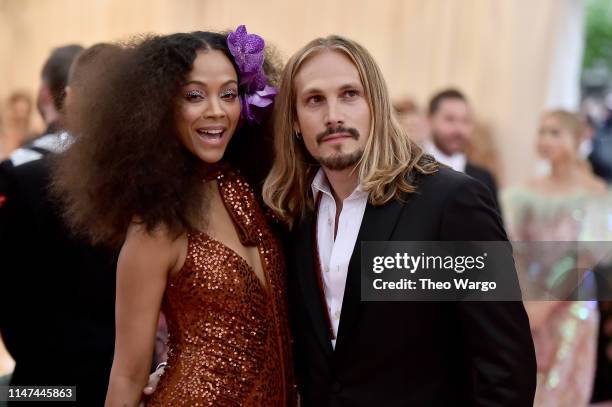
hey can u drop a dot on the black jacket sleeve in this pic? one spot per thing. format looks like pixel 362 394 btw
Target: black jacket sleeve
pixel 496 335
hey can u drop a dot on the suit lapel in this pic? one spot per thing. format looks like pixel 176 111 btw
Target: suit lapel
pixel 378 224
pixel 304 261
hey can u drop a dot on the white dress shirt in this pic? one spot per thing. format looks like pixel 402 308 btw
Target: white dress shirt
pixel 335 254
pixel 456 161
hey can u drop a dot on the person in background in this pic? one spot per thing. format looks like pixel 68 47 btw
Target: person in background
pixel 598 152
pixel 451 124
pixel 601 154
pixel 482 150
pixel 49 101
pixel 16 125
pixel 412 120
pixel 57 302
pixel 568 204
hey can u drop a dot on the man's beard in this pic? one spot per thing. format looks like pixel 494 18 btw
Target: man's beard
pixel 452 147
pixel 339 161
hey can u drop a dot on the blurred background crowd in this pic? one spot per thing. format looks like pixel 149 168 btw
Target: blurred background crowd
pixel 517 94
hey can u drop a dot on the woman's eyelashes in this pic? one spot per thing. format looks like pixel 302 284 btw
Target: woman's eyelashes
pixel 194 95
pixel 229 94
pixel 197 95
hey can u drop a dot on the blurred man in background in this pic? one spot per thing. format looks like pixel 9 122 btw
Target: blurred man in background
pixel 601 155
pixel 450 121
pixel 57 306
pixel 49 101
pixel 412 120
pixel 16 124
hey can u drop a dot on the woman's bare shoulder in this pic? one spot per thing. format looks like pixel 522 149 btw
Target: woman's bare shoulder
pixel 594 185
pixel 156 245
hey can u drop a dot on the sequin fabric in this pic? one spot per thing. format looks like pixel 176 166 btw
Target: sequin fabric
pixel 229 341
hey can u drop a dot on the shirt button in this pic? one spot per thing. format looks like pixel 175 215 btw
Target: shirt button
pixel 337 315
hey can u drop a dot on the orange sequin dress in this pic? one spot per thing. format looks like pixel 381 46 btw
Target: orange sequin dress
pixel 229 341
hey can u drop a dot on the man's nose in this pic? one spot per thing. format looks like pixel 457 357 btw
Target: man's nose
pixel 334 117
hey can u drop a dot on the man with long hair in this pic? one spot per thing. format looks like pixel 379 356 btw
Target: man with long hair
pixel 345 173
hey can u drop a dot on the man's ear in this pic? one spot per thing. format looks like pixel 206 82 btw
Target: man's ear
pixel 296 126
pixel 44 94
pixel 429 118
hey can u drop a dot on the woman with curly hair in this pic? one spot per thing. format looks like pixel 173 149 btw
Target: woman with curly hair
pixel 170 145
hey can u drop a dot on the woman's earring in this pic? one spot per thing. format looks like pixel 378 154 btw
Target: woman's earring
pixel 298 135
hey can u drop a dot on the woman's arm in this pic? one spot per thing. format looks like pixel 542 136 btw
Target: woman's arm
pixel 144 263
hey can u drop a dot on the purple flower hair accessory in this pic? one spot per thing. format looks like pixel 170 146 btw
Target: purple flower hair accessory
pixel 248 52
pixel 260 99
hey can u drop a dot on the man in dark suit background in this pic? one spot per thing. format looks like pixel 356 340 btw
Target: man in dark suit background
pixel 601 154
pixel 346 174
pixel 57 306
pixel 450 120
pixel 49 101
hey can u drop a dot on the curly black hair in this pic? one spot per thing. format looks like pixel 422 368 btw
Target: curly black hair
pixel 127 161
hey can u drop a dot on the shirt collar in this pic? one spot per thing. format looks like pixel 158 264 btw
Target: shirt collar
pixel 456 161
pixel 320 184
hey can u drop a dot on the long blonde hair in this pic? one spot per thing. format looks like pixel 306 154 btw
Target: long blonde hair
pixel 389 156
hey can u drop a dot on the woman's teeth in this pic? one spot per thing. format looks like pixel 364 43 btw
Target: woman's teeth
pixel 215 134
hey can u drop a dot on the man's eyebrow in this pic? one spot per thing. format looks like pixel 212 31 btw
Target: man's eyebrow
pixel 309 91
pixel 349 85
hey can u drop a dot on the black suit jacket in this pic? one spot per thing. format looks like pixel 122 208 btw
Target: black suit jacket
pixel 58 292
pixel 412 353
pixel 601 156
pixel 484 176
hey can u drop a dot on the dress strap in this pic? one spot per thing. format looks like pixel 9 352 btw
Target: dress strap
pixel 242 205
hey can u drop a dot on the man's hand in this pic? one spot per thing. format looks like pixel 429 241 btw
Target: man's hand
pixel 152 385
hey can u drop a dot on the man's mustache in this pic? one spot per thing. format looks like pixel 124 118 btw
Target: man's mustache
pixel 458 134
pixel 335 130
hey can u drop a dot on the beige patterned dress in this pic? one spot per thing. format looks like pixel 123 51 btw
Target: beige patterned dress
pixel 566 340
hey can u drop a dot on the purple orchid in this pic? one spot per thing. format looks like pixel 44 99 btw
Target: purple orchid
pixel 254 104
pixel 248 52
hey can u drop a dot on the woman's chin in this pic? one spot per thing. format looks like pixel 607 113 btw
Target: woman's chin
pixel 211 157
